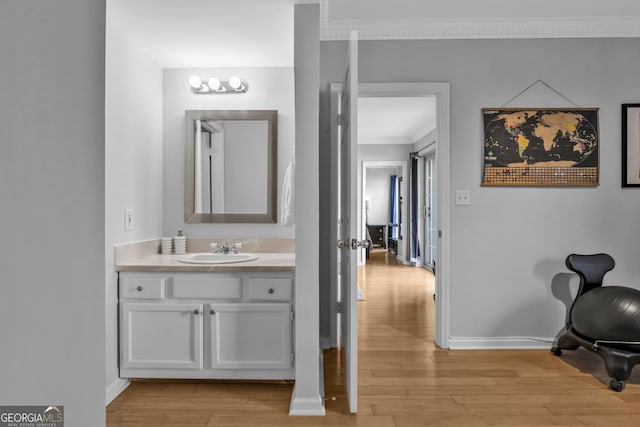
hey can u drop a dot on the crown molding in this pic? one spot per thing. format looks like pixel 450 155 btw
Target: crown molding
pixel 471 28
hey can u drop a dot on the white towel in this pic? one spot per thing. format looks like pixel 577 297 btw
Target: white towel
pixel 288 205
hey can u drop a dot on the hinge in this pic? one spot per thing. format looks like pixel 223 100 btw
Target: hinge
pixel 291 357
pixel 339 307
pixel 293 316
pixel 341 119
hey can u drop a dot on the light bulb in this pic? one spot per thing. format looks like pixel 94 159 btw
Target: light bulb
pixel 195 82
pixel 214 84
pixel 235 83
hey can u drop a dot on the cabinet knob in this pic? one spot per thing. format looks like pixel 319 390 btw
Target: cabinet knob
pixel 196 311
pixel 139 289
pixel 212 312
pixel 270 290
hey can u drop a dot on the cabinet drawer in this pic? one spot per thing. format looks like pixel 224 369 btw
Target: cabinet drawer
pixel 142 287
pixel 207 287
pixel 269 289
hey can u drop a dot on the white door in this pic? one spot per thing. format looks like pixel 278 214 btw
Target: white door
pixel 249 336
pixel 161 336
pixel 348 242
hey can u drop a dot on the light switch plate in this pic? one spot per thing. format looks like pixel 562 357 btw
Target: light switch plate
pixel 128 219
pixel 463 197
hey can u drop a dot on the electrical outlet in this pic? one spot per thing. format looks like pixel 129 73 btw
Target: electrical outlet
pixel 128 219
pixel 463 197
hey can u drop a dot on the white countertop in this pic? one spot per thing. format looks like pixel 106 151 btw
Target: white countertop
pixel 267 261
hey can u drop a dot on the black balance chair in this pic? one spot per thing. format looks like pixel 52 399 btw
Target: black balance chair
pixel 605 320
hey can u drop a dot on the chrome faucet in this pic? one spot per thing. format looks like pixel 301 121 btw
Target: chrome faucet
pixel 225 248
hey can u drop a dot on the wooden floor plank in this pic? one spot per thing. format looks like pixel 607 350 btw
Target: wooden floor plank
pixel 404 379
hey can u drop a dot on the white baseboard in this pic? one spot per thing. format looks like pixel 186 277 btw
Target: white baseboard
pixel 306 406
pixel 500 343
pixel 114 389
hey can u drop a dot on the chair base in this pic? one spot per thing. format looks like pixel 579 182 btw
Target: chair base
pixel 619 360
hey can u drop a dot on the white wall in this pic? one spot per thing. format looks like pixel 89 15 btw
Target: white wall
pixel 52 190
pixel 270 88
pixel 508 247
pixel 133 158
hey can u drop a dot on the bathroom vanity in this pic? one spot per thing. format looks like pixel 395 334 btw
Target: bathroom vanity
pixel 225 321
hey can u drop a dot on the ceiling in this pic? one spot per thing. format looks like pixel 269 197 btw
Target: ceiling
pixel 207 33
pixel 222 33
pixel 250 33
pixel 392 120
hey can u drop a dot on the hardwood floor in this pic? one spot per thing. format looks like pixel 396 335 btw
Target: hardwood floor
pixel 404 379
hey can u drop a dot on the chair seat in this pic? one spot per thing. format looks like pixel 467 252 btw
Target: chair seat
pixel 610 313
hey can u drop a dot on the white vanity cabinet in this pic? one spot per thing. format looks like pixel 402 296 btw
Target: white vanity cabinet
pixel 206 325
pixel 249 336
pixel 166 336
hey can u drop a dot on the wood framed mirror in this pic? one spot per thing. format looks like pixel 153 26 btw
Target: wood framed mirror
pixel 231 166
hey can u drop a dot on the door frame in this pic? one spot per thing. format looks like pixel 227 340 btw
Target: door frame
pixel 426 153
pixel 441 91
pixel 373 164
pixel 334 254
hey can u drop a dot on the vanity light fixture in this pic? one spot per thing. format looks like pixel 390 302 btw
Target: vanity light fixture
pixel 215 85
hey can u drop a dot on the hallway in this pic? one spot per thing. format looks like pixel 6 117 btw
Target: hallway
pixel 406 381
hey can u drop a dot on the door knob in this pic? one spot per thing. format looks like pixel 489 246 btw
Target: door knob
pixel 341 244
pixel 196 311
pixel 355 244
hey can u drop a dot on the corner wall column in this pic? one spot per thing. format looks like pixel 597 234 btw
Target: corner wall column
pixel 307 399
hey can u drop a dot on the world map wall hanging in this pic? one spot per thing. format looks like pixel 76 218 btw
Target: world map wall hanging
pixel 540 146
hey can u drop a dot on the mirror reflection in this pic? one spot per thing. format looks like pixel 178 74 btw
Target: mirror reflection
pixel 230 169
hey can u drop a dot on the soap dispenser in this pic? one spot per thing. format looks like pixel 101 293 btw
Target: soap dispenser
pixel 180 243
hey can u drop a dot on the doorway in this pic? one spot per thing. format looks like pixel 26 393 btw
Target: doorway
pixel 441 193
pixel 439 91
pixel 383 192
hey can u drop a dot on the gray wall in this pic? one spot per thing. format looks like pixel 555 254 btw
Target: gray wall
pixel 52 190
pixel 508 247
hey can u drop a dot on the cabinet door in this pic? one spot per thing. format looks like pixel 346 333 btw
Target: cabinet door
pixel 249 336
pixel 161 335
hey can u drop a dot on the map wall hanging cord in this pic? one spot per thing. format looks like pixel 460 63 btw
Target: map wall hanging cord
pixel 532 85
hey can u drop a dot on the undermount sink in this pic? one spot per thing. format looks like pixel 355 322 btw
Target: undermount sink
pixel 217 258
